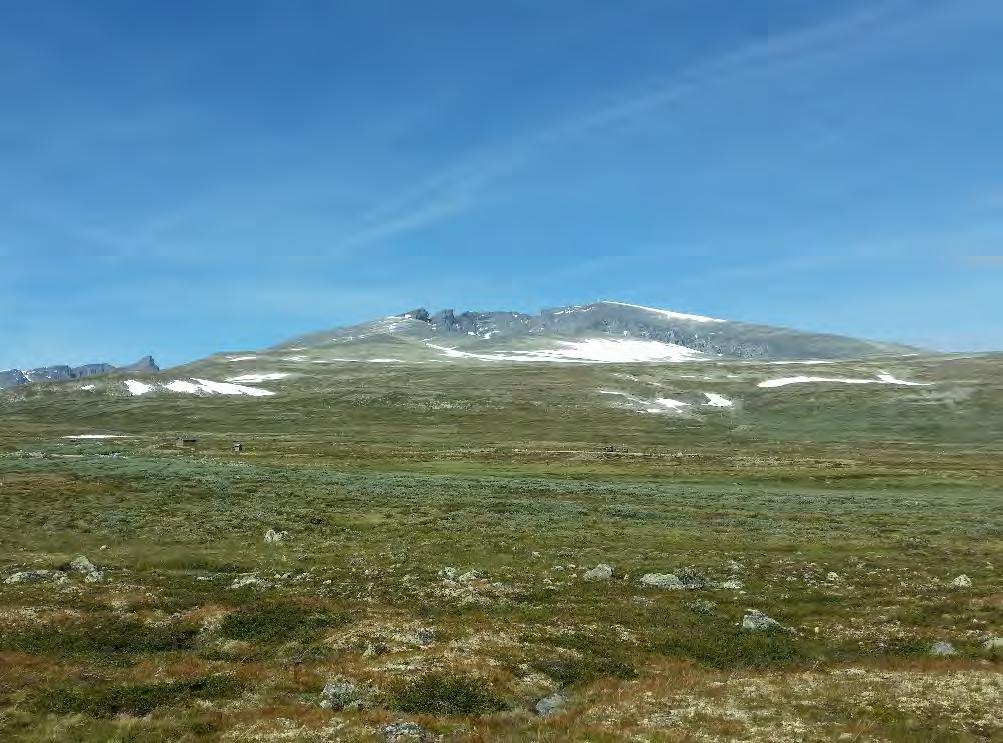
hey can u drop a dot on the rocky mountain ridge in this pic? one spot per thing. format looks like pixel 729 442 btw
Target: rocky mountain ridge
pixel 61 372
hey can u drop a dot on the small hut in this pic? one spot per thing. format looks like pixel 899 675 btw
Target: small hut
pixel 238 447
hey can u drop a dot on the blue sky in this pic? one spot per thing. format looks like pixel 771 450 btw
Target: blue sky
pixel 187 177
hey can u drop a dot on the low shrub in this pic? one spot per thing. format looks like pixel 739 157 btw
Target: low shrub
pixel 110 699
pixel 442 694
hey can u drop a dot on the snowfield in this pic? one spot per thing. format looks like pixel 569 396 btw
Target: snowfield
pixel 658 405
pixel 665 404
pixel 715 400
pixel 198 387
pixel 592 350
pixel 96 436
pixel 666 313
pixel 882 378
pixel 259 377
pixel 227 388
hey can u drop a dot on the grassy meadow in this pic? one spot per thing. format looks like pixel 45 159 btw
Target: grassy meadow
pixel 433 530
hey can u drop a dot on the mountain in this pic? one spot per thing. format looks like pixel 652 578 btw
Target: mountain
pixel 586 375
pixel 61 372
pixel 610 331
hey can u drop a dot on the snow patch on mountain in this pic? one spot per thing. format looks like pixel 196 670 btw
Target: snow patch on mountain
pixel 83 436
pixel 208 387
pixel 138 388
pixel 640 405
pixel 666 313
pixel 715 400
pixel 882 378
pixel 592 350
pixel 258 377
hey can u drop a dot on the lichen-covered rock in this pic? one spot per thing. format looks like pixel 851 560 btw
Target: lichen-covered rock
pixel 962 581
pixel 602 571
pixel 274 537
pixel 942 648
pixel 732 583
pixel 345 694
pixel 82 565
pixel 405 732
pixel 551 704
pixel 249 581
pixel 662 580
pixel 756 621
pixel 701 606
pixel 36 576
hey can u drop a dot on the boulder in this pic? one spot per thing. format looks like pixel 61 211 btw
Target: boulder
pixel 962 581
pixel 345 694
pixel 36 576
pixel 85 567
pixel 602 571
pixel 662 580
pixel 551 704
pixel 249 581
pixel 732 583
pixel 942 648
pixel 405 732
pixel 756 621
pixel 274 537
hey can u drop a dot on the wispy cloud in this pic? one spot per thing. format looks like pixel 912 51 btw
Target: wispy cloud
pixel 465 186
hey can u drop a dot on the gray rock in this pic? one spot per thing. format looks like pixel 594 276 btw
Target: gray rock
pixel 662 580
pixel 469 577
pixel 405 732
pixel 942 648
pixel 993 643
pixel 249 581
pixel 962 581
pixel 732 583
pixel 448 573
pixel 691 578
pixel 602 571
pixel 345 694
pixel 756 621
pixel 36 576
pixel 425 636
pixel 85 567
pixel 274 537
pixel 701 606
pixel 552 704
